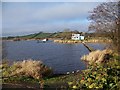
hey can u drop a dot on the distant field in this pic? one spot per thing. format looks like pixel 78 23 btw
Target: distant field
pixel 37 35
pixel 42 35
pixel 46 35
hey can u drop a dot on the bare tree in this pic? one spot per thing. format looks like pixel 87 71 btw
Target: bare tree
pixel 105 19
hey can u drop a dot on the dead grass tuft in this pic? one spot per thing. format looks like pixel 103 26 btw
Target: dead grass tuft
pixel 30 68
pixel 97 56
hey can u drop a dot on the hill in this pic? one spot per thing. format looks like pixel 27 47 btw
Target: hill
pixel 42 35
pixel 61 35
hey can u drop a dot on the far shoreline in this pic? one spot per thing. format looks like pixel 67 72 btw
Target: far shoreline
pixel 58 40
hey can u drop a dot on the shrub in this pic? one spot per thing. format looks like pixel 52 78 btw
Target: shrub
pixel 97 56
pixel 29 68
pixel 103 75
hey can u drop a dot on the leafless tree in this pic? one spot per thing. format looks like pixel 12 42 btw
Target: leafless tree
pixel 105 19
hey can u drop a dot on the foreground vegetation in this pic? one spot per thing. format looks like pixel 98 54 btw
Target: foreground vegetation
pixel 102 75
pixel 27 70
pixel 97 75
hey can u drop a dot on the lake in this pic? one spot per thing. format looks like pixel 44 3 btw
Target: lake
pixel 61 58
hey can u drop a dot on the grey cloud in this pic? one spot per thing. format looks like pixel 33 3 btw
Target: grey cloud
pixel 57 12
pixel 45 28
pixel 63 11
pixel 58 0
pixel 21 19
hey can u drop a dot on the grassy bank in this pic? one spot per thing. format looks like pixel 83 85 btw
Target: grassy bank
pixel 85 41
pixel 53 81
pixel 104 74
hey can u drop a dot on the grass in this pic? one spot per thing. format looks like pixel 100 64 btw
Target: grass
pixel 61 81
pixel 37 35
pixel 43 35
pixel 28 36
pixel 49 82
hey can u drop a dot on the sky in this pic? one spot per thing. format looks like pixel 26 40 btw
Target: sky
pixel 22 18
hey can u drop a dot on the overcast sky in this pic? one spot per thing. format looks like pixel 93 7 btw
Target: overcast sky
pixel 21 18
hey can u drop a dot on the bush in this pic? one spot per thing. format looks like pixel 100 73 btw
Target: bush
pixel 104 75
pixel 97 56
pixel 27 68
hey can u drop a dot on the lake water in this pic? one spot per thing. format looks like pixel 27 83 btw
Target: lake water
pixel 60 57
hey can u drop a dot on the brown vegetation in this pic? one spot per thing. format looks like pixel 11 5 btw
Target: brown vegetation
pixel 30 68
pixel 67 41
pixel 97 56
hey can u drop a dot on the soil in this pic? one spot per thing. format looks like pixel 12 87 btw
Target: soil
pixel 20 86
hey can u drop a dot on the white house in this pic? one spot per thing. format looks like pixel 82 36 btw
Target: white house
pixel 77 37
pixel 82 37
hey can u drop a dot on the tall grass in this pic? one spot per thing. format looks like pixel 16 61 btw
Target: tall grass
pixel 97 56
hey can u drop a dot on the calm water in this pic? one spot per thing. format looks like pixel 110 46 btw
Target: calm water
pixel 60 57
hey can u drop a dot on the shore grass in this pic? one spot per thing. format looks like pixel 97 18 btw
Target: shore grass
pixel 70 41
pixel 59 81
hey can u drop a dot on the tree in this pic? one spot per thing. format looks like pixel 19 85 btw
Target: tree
pixel 105 19
pixel 66 34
